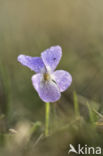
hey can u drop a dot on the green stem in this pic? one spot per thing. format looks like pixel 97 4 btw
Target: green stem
pixel 47 115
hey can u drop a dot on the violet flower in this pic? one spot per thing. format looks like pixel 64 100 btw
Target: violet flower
pixel 48 83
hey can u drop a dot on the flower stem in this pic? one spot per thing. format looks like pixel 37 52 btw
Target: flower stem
pixel 47 115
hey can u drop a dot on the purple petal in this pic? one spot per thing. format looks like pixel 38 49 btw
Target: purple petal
pixel 34 63
pixel 51 57
pixel 63 79
pixel 47 90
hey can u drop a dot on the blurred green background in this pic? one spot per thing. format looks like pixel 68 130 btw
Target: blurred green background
pixel 31 26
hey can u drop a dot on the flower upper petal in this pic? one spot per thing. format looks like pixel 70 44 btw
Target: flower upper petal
pixel 51 57
pixel 34 63
pixel 63 79
pixel 47 90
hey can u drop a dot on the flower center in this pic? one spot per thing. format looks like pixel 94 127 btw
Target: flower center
pixel 46 77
